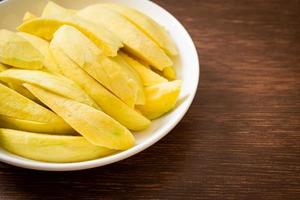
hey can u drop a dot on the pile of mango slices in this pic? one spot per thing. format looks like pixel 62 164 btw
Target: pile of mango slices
pixel 76 84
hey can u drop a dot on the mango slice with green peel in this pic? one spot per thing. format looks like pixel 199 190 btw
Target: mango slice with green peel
pixel 28 16
pixel 94 125
pixel 160 99
pixel 109 103
pixel 14 105
pixel 54 83
pixel 50 148
pixel 134 39
pixel 46 27
pixel 115 76
pixel 147 75
pixel 33 126
pixel 17 52
pixel 53 9
pixel 43 47
pixel 155 31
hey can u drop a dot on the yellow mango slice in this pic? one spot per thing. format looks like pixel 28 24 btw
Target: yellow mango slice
pixel 169 73
pixel 94 125
pixel 53 9
pixel 3 67
pixel 155 31
pixel 46 27
pixel 109 103
pixel 134 39
pixel 160 99
pixel 147 75
pixel 113 75
pixel 33 126
pixel 14 105
pixel 43 47
pixel 50 148
pixel 28 16
pixel 17 52
pixel 54 83
pixel 21 90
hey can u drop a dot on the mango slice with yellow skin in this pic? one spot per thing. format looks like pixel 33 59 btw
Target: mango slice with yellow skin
pixel 54 83
pixel 46 27
pixel 43 47
pixel 134 39
pixel 150 27
pixel 160 99
pixel 28 16
pixel 94 125
pixel 113 75
pixel 50 148
pixel 14 105
pixel 33 126
pixel 109 103
pixel 147 75
pixel 17 52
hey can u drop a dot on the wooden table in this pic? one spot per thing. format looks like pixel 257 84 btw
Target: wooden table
pixel 241 137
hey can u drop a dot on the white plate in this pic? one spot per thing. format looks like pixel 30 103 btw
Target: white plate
pixel 187 67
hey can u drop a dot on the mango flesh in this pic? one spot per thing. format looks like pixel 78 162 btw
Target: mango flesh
pixel 169 73
pixel 43 47
pixel 155 31
pixel 54 83
pixel 46 27
pixel 147 75
pixel 160 99
pixel 134 39
pixel 3 67
pixel 17 52
pixel 94 125
pixel 21 90
pixel 28 16
pixel 53 9
pixel 50 148
pixel 111 74
pixel 109 103
pixel 32 126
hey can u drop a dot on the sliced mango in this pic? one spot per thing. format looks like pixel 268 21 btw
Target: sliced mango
pixel 43 47
pixel 169 73
pixel 122 81
pixel 33 126
pixel 160 99
pixel 46 27
pixel 50 148
pixel 28 16
pixel 3 67
pixel 14 105
pixel 109 103
pixel 53 9
pixel 54 83
pixel 147 75
pixel 155 31
pixel 94 125
pixel 17 52
pixel 21 90
pixel 134 39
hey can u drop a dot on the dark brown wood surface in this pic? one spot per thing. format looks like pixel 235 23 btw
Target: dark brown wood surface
pixel 241 137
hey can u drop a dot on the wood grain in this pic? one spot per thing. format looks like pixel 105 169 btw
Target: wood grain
pixel 241 137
